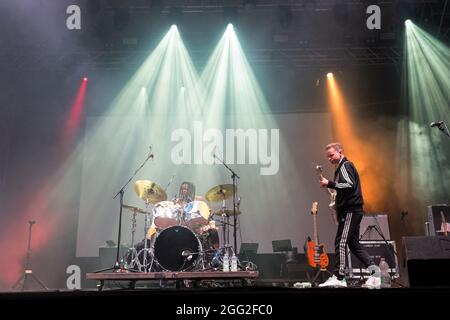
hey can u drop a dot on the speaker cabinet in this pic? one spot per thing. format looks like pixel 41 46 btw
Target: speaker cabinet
pixel 377 250
pixel 427 260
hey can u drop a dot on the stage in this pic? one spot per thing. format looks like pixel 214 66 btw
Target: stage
pixel 195 277
pixel 242 152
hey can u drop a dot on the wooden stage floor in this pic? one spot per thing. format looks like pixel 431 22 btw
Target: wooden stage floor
pixel 246 277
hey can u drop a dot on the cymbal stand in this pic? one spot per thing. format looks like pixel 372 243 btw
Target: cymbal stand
pixel 132 248
pixel 146 248
pixel 234 177
pixel 225 229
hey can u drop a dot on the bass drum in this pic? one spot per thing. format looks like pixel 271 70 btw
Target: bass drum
pixel 177 249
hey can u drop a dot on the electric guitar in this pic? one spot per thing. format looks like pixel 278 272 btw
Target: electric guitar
pixel 315 252
pixel 332 194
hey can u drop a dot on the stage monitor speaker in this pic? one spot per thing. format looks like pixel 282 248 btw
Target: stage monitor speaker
pixel 427 260
pixel 377 250
pixel 436 215
pixel 371 223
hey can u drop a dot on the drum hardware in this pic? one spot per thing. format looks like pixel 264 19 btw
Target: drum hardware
pixel 120 193
pixel 133 232
pixel 226 212
pixel 134 253
pixel 134 209
pixel 232 193
pixel 151 193
pixel 147 250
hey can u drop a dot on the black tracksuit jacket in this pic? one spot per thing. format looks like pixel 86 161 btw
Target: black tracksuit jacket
pixel 346 182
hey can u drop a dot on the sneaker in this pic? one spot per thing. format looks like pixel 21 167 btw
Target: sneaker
pixel 334 282
pixel 372 283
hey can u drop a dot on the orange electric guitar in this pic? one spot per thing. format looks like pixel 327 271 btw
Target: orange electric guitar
pixel 315 252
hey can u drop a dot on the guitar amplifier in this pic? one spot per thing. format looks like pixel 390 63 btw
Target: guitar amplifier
pixel 434 222
pixel 377 250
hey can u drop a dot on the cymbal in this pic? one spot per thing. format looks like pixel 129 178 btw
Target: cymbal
pixel 134 209
pixel 220 192
pixel 149 191
pixel 227 212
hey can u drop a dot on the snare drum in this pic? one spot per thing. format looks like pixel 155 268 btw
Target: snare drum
pixel 166 214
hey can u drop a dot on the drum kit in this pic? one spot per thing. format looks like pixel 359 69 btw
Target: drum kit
pixel 180 235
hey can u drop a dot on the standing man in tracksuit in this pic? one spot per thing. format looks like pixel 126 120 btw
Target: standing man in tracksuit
pixel 349 207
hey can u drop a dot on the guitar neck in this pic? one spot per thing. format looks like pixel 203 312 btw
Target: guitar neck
pixel 316 237
pixel 330 192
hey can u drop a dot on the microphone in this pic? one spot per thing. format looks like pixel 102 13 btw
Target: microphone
pixel 151 153
pixel 436 124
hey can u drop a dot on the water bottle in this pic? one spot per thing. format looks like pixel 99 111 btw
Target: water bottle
pixel 234 263
pixel 226 263
pixel 385 276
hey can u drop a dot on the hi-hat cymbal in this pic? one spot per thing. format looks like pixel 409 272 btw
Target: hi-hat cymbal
pixel 134 209
pixel 227 212
pixel 220 192
pixel 149 191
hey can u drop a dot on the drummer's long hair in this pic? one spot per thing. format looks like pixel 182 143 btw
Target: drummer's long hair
pixel 190 193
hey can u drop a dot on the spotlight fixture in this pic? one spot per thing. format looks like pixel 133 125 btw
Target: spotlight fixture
pixel 330 75
pixel 230 14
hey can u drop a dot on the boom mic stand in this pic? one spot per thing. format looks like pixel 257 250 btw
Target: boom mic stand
pixel 442 127
pixel 28 272
pixel 234 176
pixel 121 192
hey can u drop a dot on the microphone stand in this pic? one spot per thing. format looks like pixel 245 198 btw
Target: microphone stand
pixel 444 129
pixel 234 176
pixel 121 192
pixel 28 272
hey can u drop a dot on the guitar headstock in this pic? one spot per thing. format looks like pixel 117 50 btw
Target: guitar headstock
pixel 319 168
pixel 314 208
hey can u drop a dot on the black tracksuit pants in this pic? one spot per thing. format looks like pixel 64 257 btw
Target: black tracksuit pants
pixel 348 234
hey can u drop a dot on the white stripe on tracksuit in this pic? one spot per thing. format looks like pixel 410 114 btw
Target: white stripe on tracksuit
pixel 343 242
pixel 349 182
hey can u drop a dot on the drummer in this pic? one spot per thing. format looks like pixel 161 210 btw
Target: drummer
pixel 187 195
